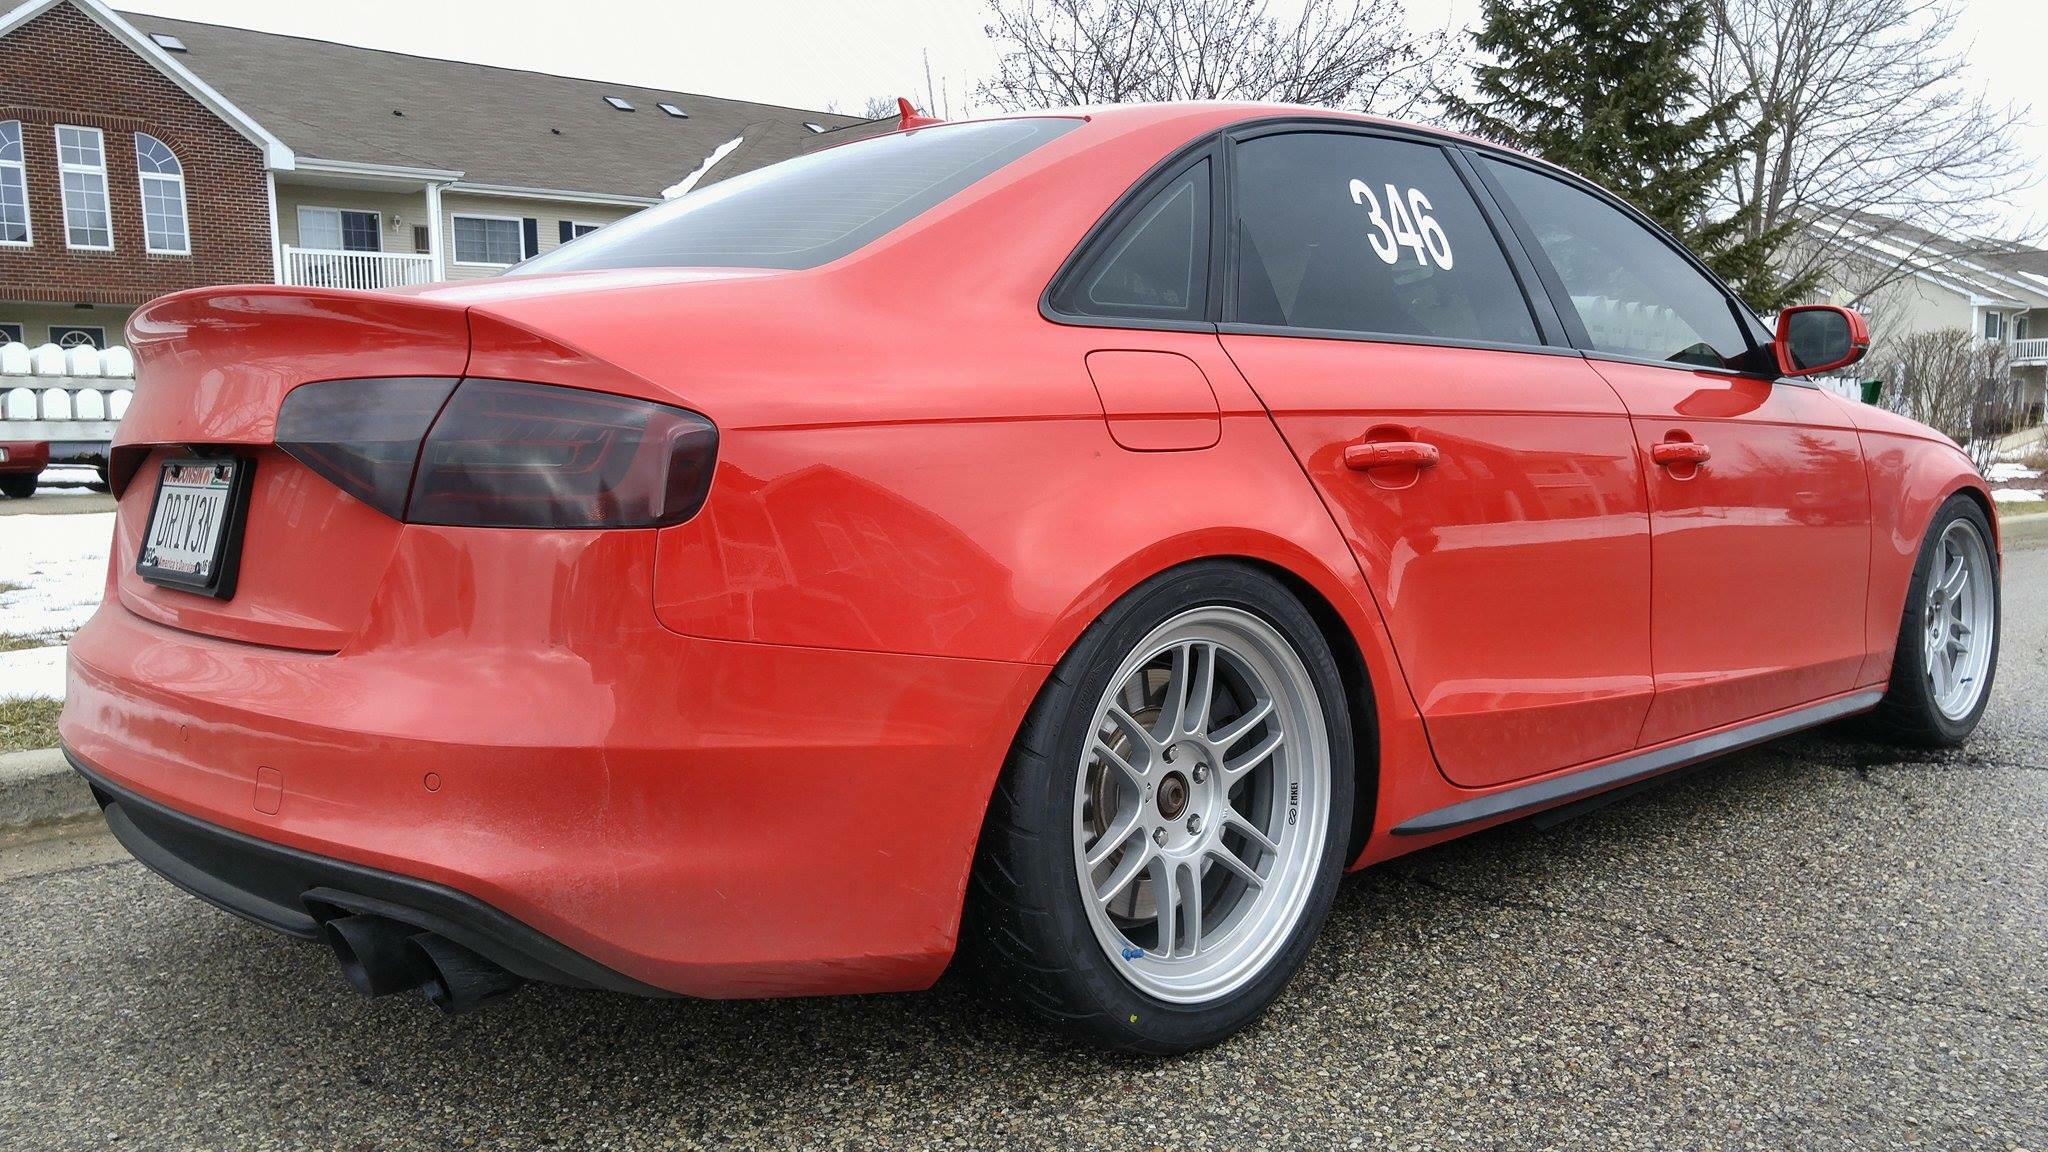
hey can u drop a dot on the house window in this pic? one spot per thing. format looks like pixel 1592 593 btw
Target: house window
pixel 489 240
pixel 82 171
pixel 1994 325
pixel 13 186
pixel 340 230
pixel 77 336
pixel 163 197
pixel 11 334
pixel 581 228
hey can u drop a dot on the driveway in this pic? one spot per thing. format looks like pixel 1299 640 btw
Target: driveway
pixel 1821 943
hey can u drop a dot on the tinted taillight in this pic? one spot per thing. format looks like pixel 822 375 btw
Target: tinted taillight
pixel 513 455
pixel 364 435
pixel 503 454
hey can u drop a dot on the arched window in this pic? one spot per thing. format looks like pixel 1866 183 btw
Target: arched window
pixel 163 196
pixel 13 186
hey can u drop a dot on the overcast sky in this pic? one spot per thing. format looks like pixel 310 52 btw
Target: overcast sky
pixel 836 54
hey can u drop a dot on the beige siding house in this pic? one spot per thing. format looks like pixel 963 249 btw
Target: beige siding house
pixel 1909 281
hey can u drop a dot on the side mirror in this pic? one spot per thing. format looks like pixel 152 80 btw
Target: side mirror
pixel 1817 338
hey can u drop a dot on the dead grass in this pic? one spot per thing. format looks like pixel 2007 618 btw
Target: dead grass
pixel 28 723
pixel 12 642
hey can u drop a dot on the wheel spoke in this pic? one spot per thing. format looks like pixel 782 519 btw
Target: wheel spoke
pixel 1165 898
pixel 1235 768
pixel 1188 885
pixel 1128 869
pixel 1202 690
pixel 1174 700
pixel 1955 580
pixel 1115 759
pixel 1225 858
pixel 1252 831
pixel 1234 731
pixel 1115 836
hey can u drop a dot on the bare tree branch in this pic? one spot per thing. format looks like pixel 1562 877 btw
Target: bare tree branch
pixel 1335 53
pixel 1871 117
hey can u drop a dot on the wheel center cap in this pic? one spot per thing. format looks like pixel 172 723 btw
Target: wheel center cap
pixel 1173 795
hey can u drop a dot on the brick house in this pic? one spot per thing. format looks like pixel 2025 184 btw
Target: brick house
pixel 141 155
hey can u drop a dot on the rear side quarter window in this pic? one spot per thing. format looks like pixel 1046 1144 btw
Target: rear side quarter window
pixel 1155 263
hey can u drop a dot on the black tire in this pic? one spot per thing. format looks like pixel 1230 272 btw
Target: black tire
pixel 1908 713
pixel 1026 916
pixel 19 486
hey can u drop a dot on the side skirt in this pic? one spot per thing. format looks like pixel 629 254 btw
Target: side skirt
pixel 1563 789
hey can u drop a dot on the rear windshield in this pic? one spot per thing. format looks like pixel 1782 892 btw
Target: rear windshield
pixel 808 211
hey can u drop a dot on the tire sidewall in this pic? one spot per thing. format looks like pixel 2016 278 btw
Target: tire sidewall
pixel 1143 1022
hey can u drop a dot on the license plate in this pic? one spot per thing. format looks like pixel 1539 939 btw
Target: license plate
pixel 195 526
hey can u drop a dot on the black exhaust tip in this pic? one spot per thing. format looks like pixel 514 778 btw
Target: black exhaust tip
pixel 375 954
pixel 458 979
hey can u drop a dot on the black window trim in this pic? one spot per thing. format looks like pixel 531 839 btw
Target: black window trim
pixel 1759 353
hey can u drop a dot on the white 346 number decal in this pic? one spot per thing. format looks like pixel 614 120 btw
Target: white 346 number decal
pixel 1412 226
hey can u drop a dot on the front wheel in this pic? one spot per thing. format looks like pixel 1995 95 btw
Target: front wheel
pixel 20 486
pixel 1169 832
pixel 1948 639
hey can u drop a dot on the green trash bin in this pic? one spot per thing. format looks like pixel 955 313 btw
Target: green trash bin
pixel 1871 390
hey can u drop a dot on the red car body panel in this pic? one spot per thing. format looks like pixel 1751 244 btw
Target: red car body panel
pixel 1773 531
pixel 749 754
pixel 30 456
pixel 1537 499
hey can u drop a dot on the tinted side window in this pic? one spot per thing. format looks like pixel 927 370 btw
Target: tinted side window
pixel 1158 266
pixel 811 210
pixel 1363 234
pixel 1635 295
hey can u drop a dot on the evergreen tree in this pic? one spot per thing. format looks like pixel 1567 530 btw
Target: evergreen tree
pixel 1606 88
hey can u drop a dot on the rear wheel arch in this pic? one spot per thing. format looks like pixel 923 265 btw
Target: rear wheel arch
pixel 1318 594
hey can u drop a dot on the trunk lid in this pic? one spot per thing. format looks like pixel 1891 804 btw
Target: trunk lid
pixel 212 367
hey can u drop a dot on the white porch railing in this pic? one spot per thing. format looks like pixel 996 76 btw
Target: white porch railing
pixel 66 394
pixel 2029 351
pixel 330 268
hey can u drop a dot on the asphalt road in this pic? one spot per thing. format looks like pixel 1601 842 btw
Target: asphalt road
pixel 1820 944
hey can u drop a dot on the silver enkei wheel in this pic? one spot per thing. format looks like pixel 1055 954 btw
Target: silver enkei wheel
pixel 1202 804
pixel 1961 621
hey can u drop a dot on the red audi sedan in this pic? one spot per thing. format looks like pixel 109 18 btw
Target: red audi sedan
pixel 1080 536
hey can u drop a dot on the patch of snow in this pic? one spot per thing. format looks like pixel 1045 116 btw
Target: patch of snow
pixel 2007 472
pixel 59 563
pixel 33 672
pixel 2017 495
pixel 690 181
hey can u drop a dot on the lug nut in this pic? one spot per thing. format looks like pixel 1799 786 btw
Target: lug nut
pixel 1194 824
pixel 1201 773
pixel 1159 835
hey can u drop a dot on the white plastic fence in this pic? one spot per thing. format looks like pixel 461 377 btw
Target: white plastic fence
pixel 63 394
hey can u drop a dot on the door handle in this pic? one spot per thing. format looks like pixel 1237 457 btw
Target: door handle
pixel 1368 455
pixel 1676 452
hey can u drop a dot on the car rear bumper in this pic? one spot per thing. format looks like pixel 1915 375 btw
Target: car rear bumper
pixel 293 891
pixel 654 813
pixel 23 456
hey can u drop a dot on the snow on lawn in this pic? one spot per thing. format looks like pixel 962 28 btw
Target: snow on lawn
pixel 2008 471
pixel 57 567
pixel 2016 495
pixel 33 672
